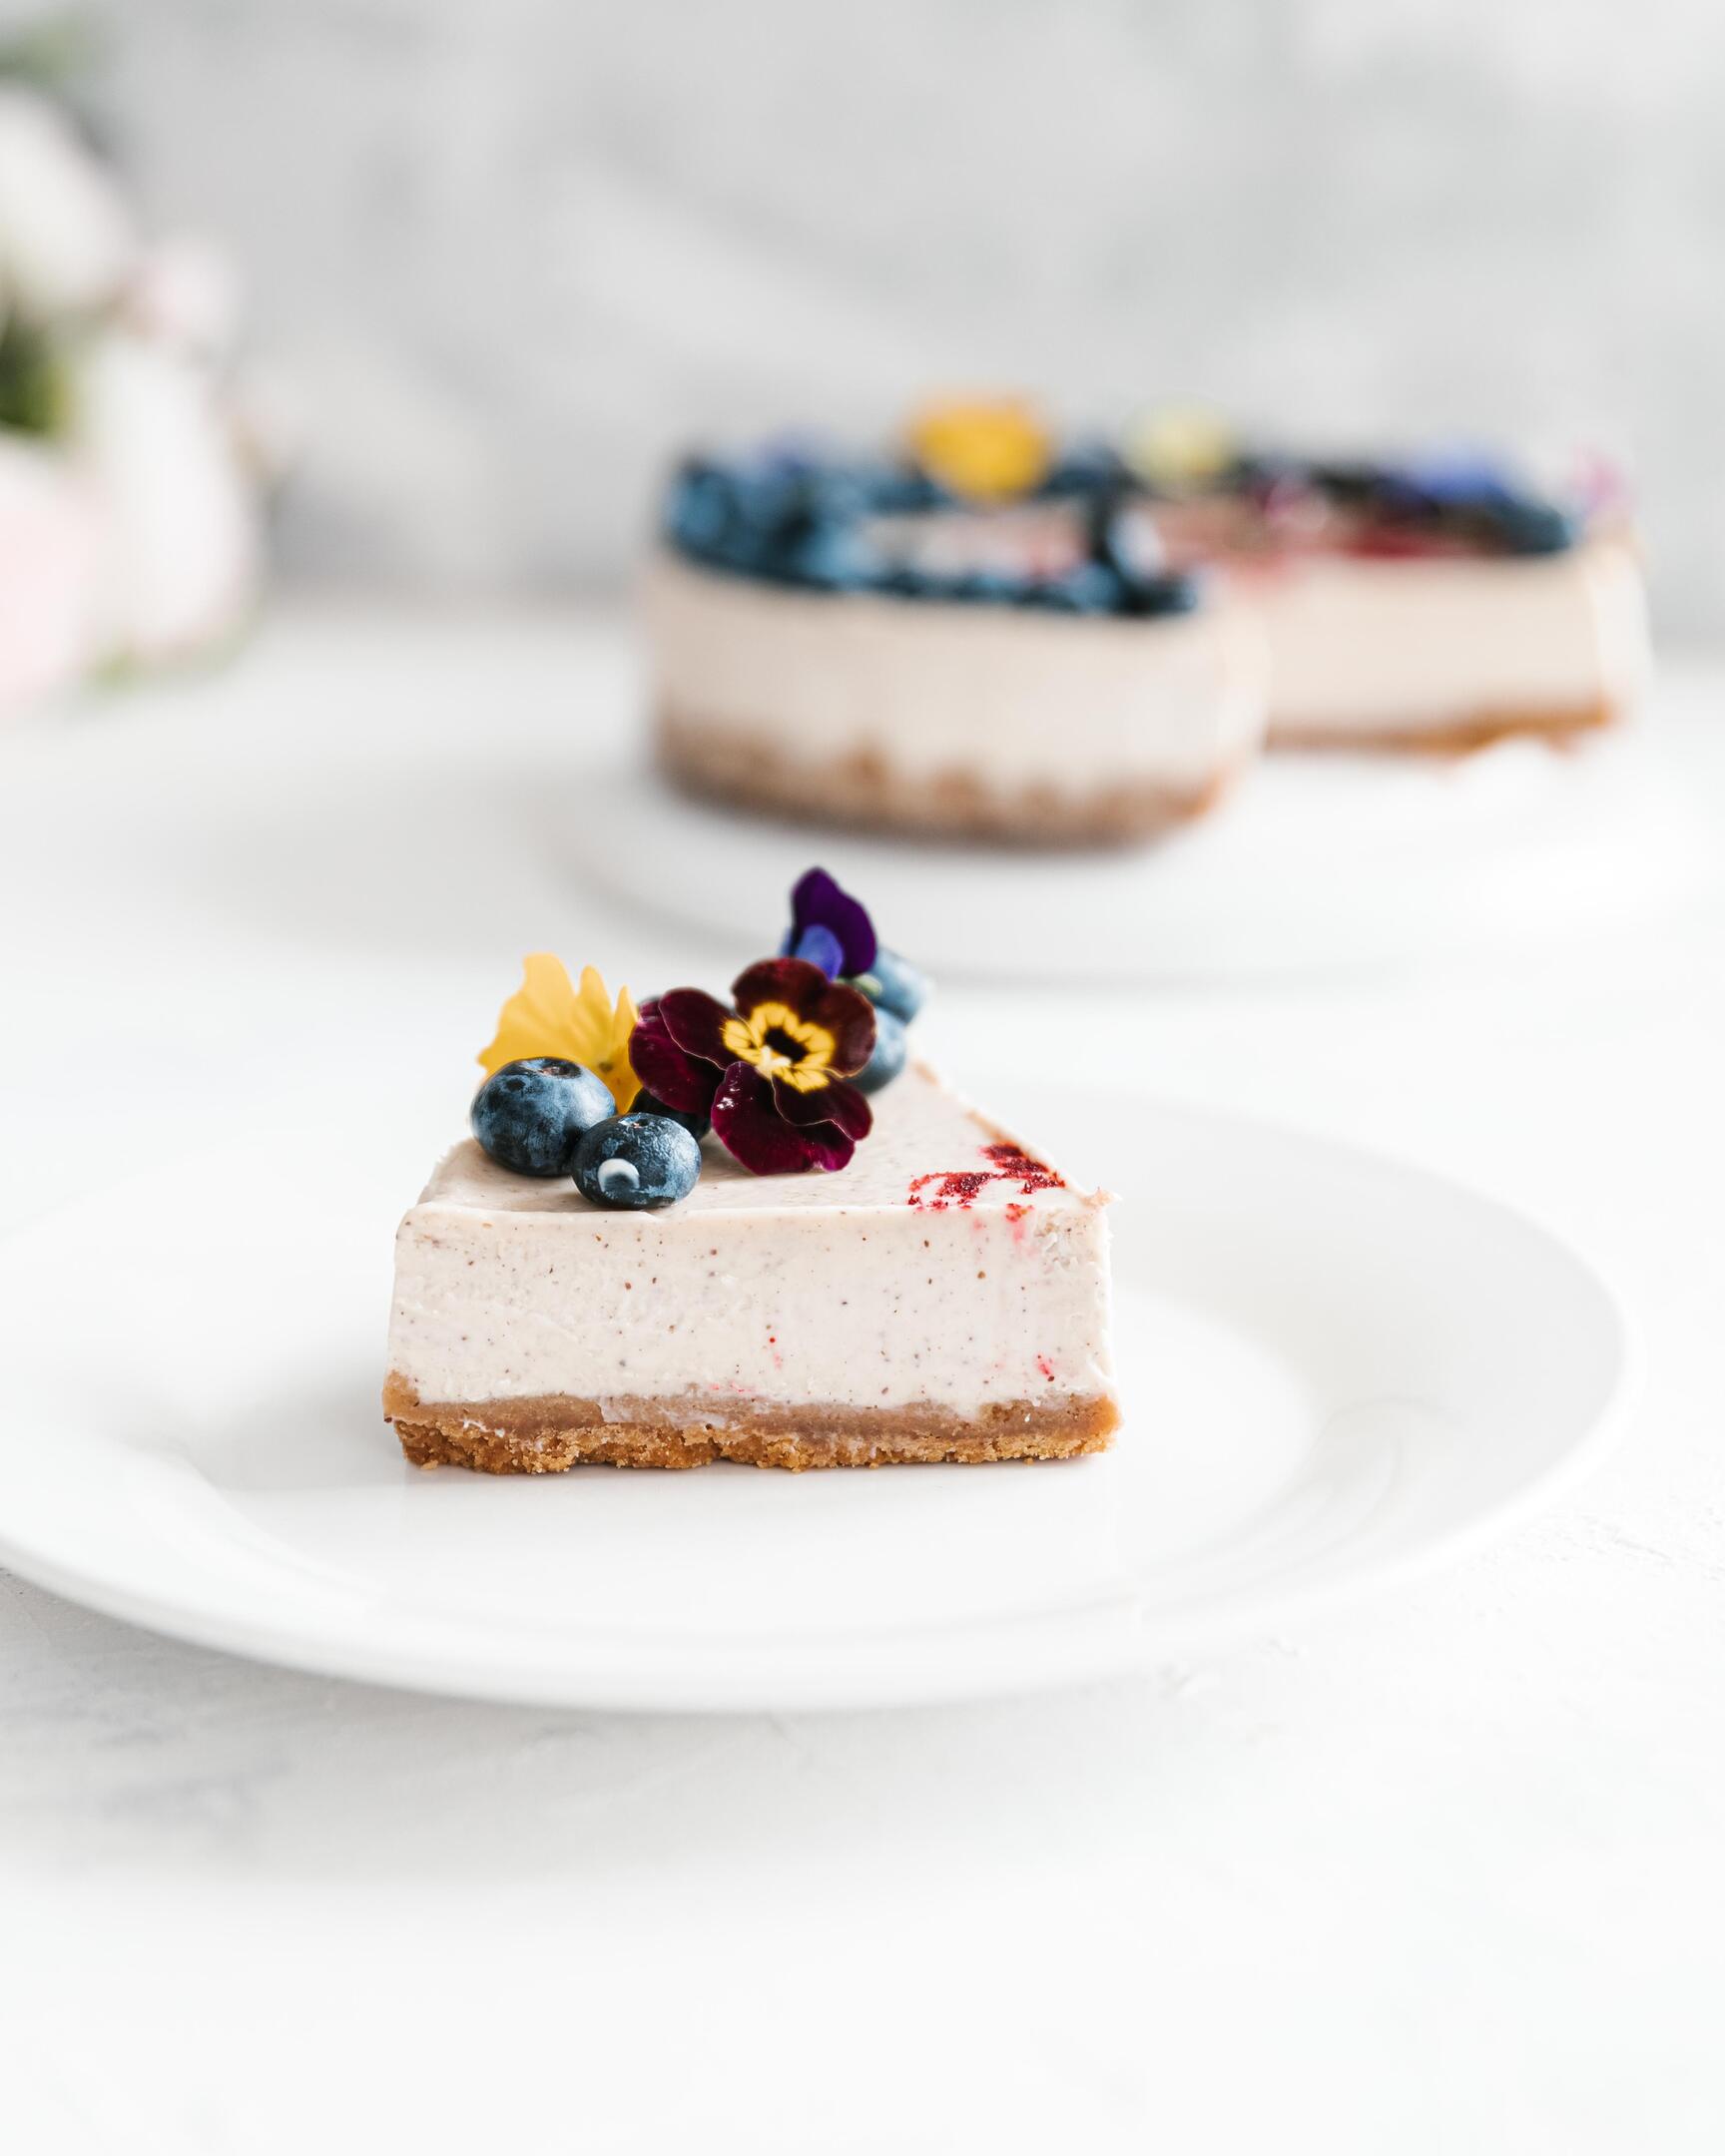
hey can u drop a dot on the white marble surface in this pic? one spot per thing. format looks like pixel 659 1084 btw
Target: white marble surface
pixel 512 252
pixel 1442 1874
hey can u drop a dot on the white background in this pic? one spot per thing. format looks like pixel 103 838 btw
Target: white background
pixel 513 252
pixel 1442 1875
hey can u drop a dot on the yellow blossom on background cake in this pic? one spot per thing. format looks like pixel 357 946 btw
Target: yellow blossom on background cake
pixel 1178 447
pixel 988 448
pixel 547 1017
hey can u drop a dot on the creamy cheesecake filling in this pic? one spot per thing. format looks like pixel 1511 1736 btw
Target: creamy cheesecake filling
pixel 1067 704
pixel 943 1269
pixel 1367 648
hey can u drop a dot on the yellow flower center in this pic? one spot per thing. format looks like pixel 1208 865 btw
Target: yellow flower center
pixel 780 1044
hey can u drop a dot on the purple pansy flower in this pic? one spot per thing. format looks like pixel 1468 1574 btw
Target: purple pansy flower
pixel 769 1071
pixel 828 928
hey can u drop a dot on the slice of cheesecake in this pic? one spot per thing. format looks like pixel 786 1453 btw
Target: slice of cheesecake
pixel 944 1297
pixel 1425 605
pixel 1451 653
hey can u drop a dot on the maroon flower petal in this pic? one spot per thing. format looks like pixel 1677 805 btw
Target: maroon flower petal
pixel 679 1081
pixel 838 1103
pixel 848 1016
pixel 827 1147
pixel 818 902
pixel 748 1125
pixel 696 1022
pixel 779 981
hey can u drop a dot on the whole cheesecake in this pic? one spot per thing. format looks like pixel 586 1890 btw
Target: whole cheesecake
pixel 976 641
pixel 988 636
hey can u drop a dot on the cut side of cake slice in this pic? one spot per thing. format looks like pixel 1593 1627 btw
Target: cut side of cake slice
pixel 1435 603
pixel 1453 654
pixel 943 1297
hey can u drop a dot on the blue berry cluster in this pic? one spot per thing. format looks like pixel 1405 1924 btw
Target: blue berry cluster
pixel 793 519
pixel 546 1116
pixel 1455 495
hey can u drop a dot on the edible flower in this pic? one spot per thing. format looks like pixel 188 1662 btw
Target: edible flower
pixel 546 1017
pixel 769 1071
pixel 1179 448
pixel 828 928
pixel 987 449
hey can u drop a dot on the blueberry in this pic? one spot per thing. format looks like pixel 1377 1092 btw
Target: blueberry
pixel 1122 541
pixel 696 1124
pixel 1088 589
pixel 902 580
pixel 893 984
pixel 1084 469
pixel 984 587
pixel 1171 593
pixel 530 1116
pixel 830 557
pixel 1534 527
pixel 700 511
pixel 636 1160
pixel 891 1046
pixel 902 490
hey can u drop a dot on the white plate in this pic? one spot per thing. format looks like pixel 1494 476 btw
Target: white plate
pixel 1317 862
pixel 1336 1370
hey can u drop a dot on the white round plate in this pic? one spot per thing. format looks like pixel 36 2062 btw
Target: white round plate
pixel 1336 1370
pixel 1317 860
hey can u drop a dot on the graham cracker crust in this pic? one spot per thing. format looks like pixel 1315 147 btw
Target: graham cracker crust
pixel 555 1431
pixel 1562 725
pixel 864 792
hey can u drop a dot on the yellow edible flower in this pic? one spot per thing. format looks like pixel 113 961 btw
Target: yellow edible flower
pixel 987 449
pixel 1179 447
pixel 546 1017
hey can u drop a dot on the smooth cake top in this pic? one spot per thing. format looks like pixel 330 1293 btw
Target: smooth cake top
pixel 928 1150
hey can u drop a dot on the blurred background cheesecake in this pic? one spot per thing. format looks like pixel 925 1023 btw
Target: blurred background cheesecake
pixel 510 262
pixel 972 638
pixel 984 632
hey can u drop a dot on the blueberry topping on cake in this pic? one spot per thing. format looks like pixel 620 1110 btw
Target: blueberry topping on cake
pixel 1536 527
pixel 635 1161
pixel 892 1051
pixel 531 1115
pixel 893 984
pixel 1088 589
